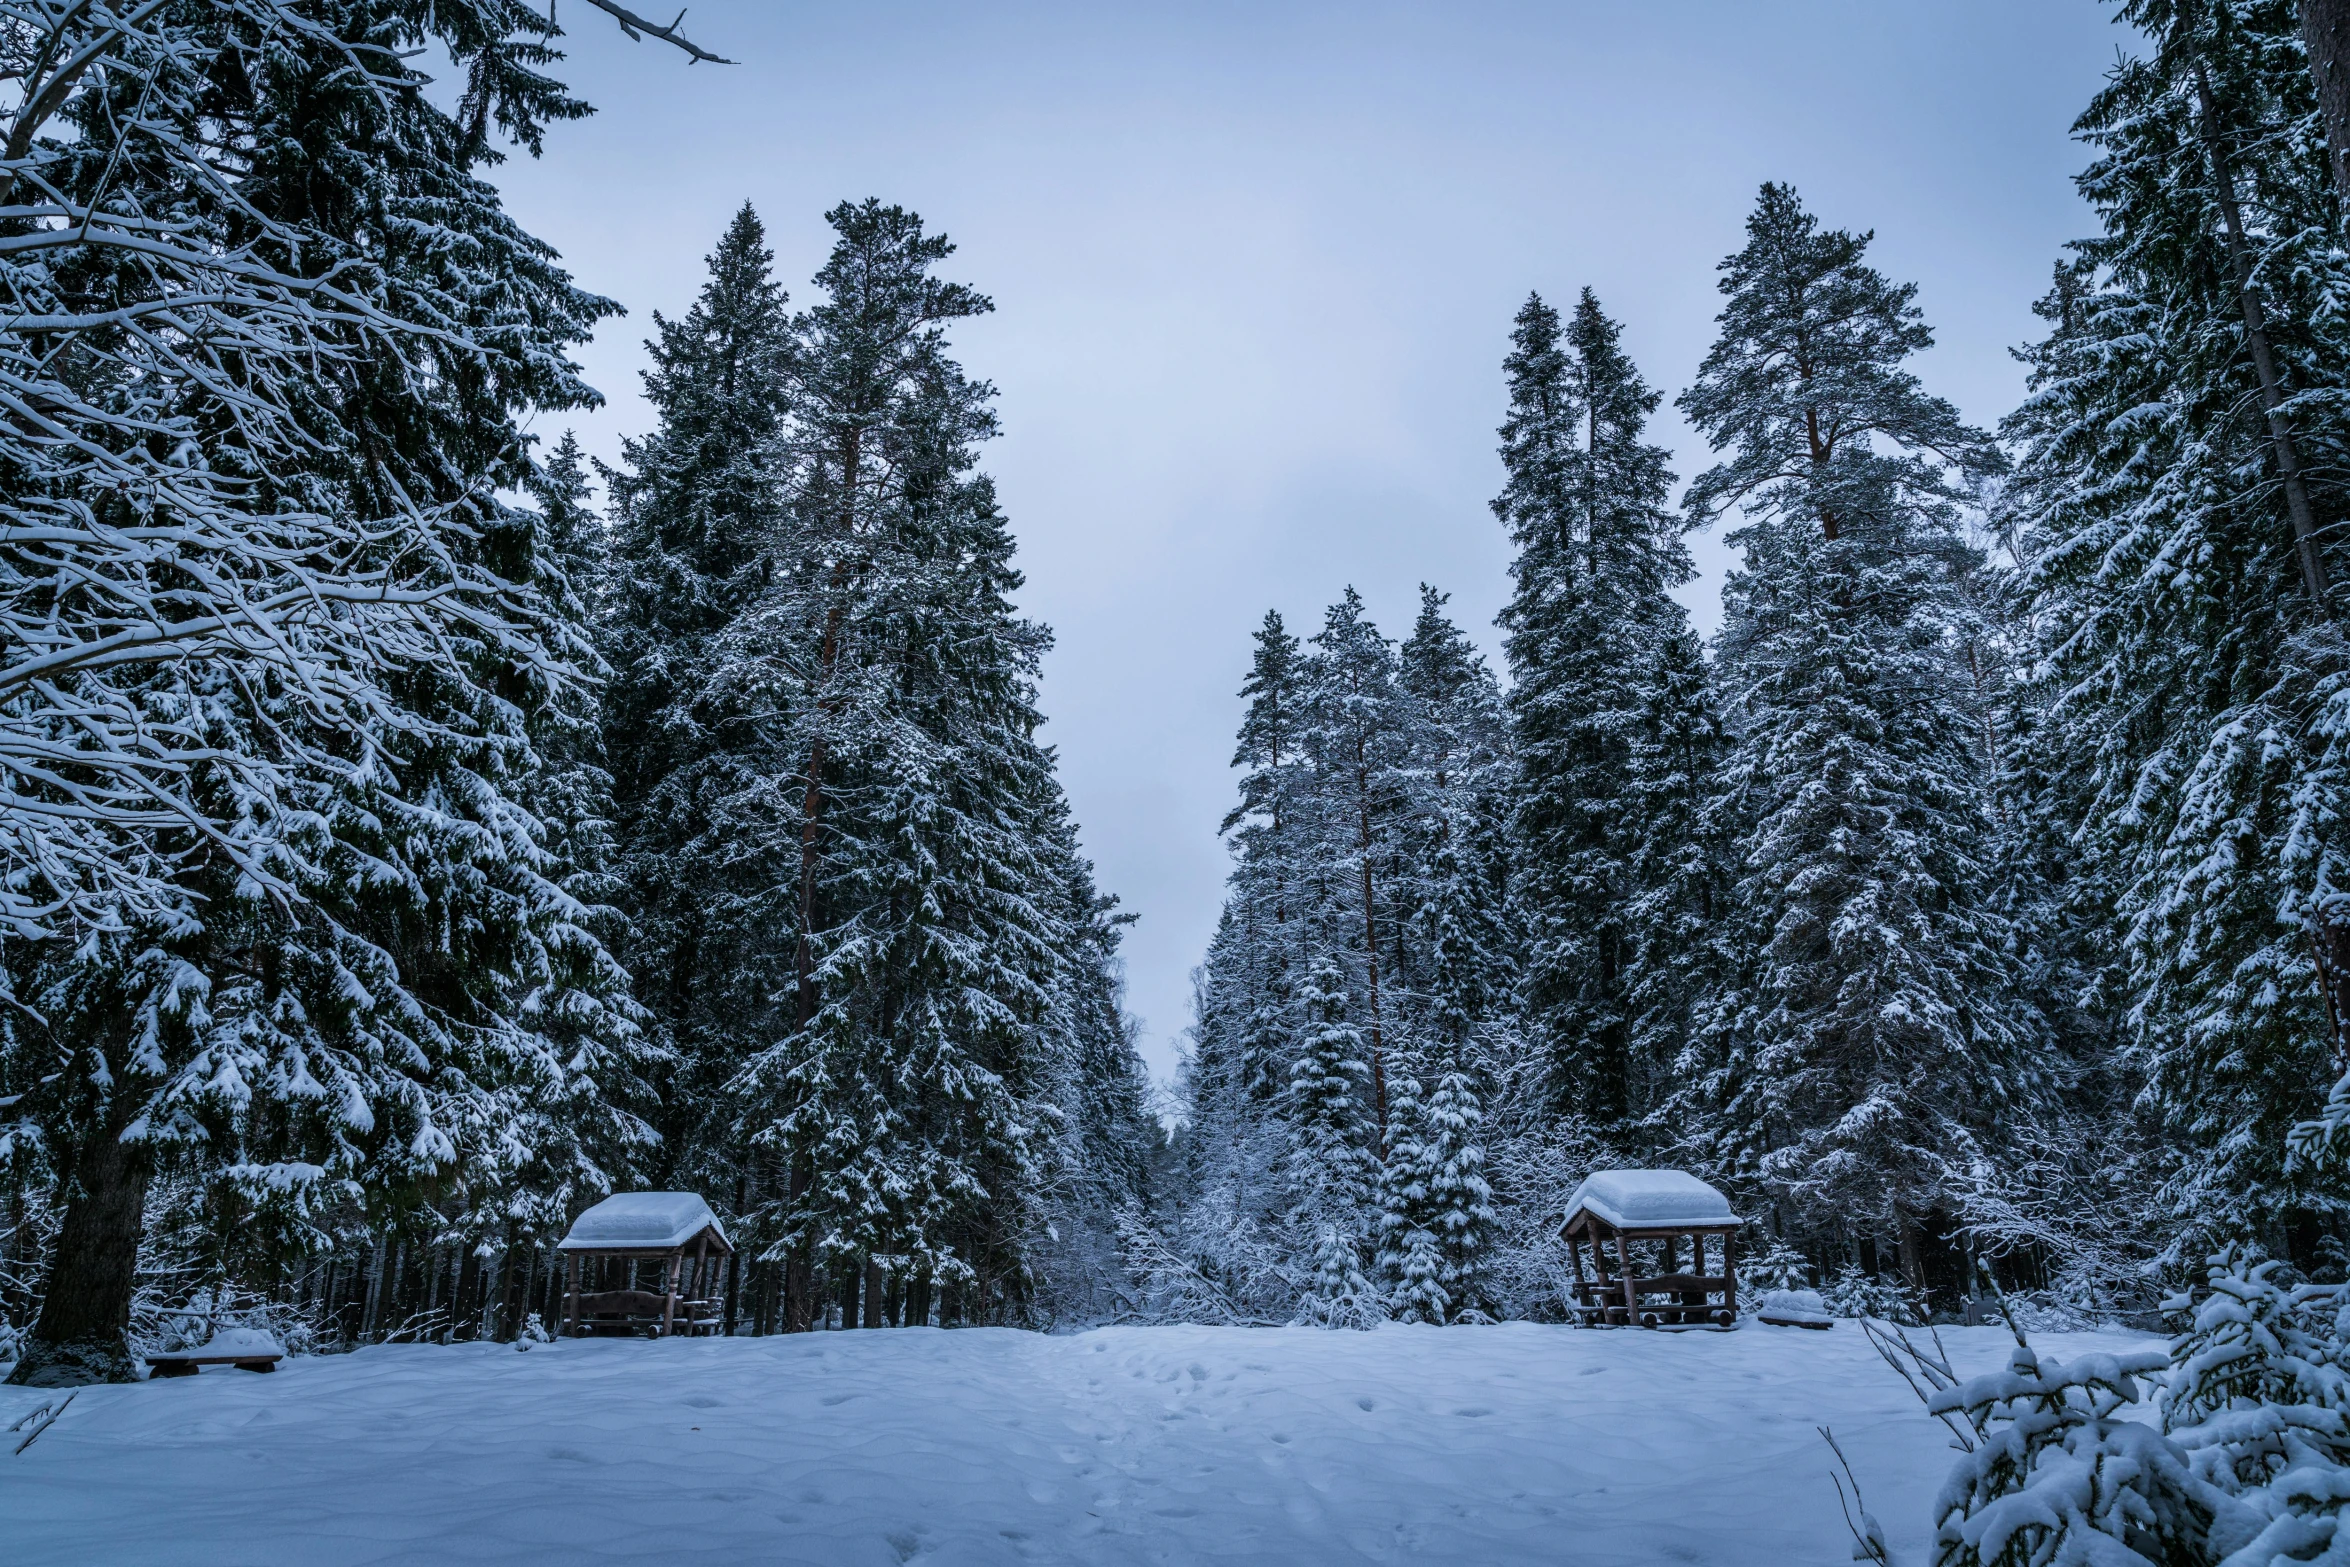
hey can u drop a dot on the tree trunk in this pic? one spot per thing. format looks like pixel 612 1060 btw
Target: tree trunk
pixel 874 1316
pixel 2325 27
pixel 799 1292
pixel 2264 364
pixel 1371 954
pixel 734 1260
pixel 81 1336
pixel 1913 1261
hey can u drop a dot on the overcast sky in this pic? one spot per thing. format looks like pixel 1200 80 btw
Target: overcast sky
pixel 1254 268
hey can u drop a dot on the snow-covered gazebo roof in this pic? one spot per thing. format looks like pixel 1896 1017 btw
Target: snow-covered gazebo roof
pixel 1650 1200
pixel 645 1222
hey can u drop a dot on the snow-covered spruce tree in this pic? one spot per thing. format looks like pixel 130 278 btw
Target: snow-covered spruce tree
pixel 1355 744
pixel 1678 865
pixel 1271 828
pixel 1433 1183
pixel 1369 835
pixel 1339 1295
pixel 907 1094
pixel 1864 1047
pixel 1435 1207
pixel 336 1001
pixel 1331 1166
pixel 2186 419
pixel 1098 1173
pixel 1598 552
pixel 576 1135
pixel 1453 783
pixel 701 764
pixel 1233 1209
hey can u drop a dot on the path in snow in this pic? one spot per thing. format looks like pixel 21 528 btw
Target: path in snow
pixel 1485 1446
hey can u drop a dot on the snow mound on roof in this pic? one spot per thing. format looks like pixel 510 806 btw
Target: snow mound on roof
pixel 1651 1199
pixel 646 1219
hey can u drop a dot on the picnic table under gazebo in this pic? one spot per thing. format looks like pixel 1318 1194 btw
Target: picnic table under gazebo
pixel 1615 1210
pixel 610 1243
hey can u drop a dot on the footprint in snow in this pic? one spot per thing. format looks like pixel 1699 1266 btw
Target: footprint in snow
pixel 830 1400
pixel 1472 1414
pixel 1366 1405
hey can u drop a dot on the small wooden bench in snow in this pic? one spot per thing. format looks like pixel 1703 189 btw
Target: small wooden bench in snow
pixel 1616 1210
pixel 675 1232
pixel 247 1349
pixel 1794 1309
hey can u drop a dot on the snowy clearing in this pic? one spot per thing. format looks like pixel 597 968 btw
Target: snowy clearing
pixel 1508 1444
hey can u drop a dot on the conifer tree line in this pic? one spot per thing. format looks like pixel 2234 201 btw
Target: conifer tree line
pixel 1971 905
pixel 402 849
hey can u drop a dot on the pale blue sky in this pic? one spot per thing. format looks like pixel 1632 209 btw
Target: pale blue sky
pixel 1255 266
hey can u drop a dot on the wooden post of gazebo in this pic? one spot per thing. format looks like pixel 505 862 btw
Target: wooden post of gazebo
pixel 1613 1209
pixel 631 1227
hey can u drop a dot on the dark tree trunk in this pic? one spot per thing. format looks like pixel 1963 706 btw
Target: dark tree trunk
pixel 1913 1262
pixel 2298 509
pixel 734 1261
pixel 2325 27
pixel 874 1317
pixel 799 1291
pixel 465 1312
pixel 86 1315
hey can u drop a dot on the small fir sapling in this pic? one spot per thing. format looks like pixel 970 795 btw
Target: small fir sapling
pixel 1420 1294
pixel 1341 1297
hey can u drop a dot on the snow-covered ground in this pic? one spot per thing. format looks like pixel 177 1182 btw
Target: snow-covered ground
pixel 1510 1444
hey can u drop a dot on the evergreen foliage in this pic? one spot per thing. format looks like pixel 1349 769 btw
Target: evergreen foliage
pixel 2194 683
pixel 1861 1054
pixel 347 986
pixel 1588 627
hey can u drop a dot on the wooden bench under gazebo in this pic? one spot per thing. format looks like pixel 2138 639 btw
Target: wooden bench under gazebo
pixel 610 1242
pixel 1614 1210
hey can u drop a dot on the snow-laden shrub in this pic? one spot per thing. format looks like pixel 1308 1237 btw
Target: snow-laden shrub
pixel 2053 1472
pixel 2249 1465
pixel 1853 1293
pixel 2050 1311
pixel 2257 1399
pixel 1221 1284
pixel 160 1323
pixel 1534 1160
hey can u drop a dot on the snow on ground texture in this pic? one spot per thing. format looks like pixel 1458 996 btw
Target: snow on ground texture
pixel 1485 1446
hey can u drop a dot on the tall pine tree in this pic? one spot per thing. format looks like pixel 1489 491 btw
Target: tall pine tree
pixel 1598 553
pixel 1864 1049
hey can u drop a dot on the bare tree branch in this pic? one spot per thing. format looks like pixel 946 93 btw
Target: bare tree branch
pixel 638 28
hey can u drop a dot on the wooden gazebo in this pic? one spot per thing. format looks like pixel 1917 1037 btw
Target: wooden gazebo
pixel 611 1242
pixel 1613 1210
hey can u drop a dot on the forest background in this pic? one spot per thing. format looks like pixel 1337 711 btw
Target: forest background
pixel 419 828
